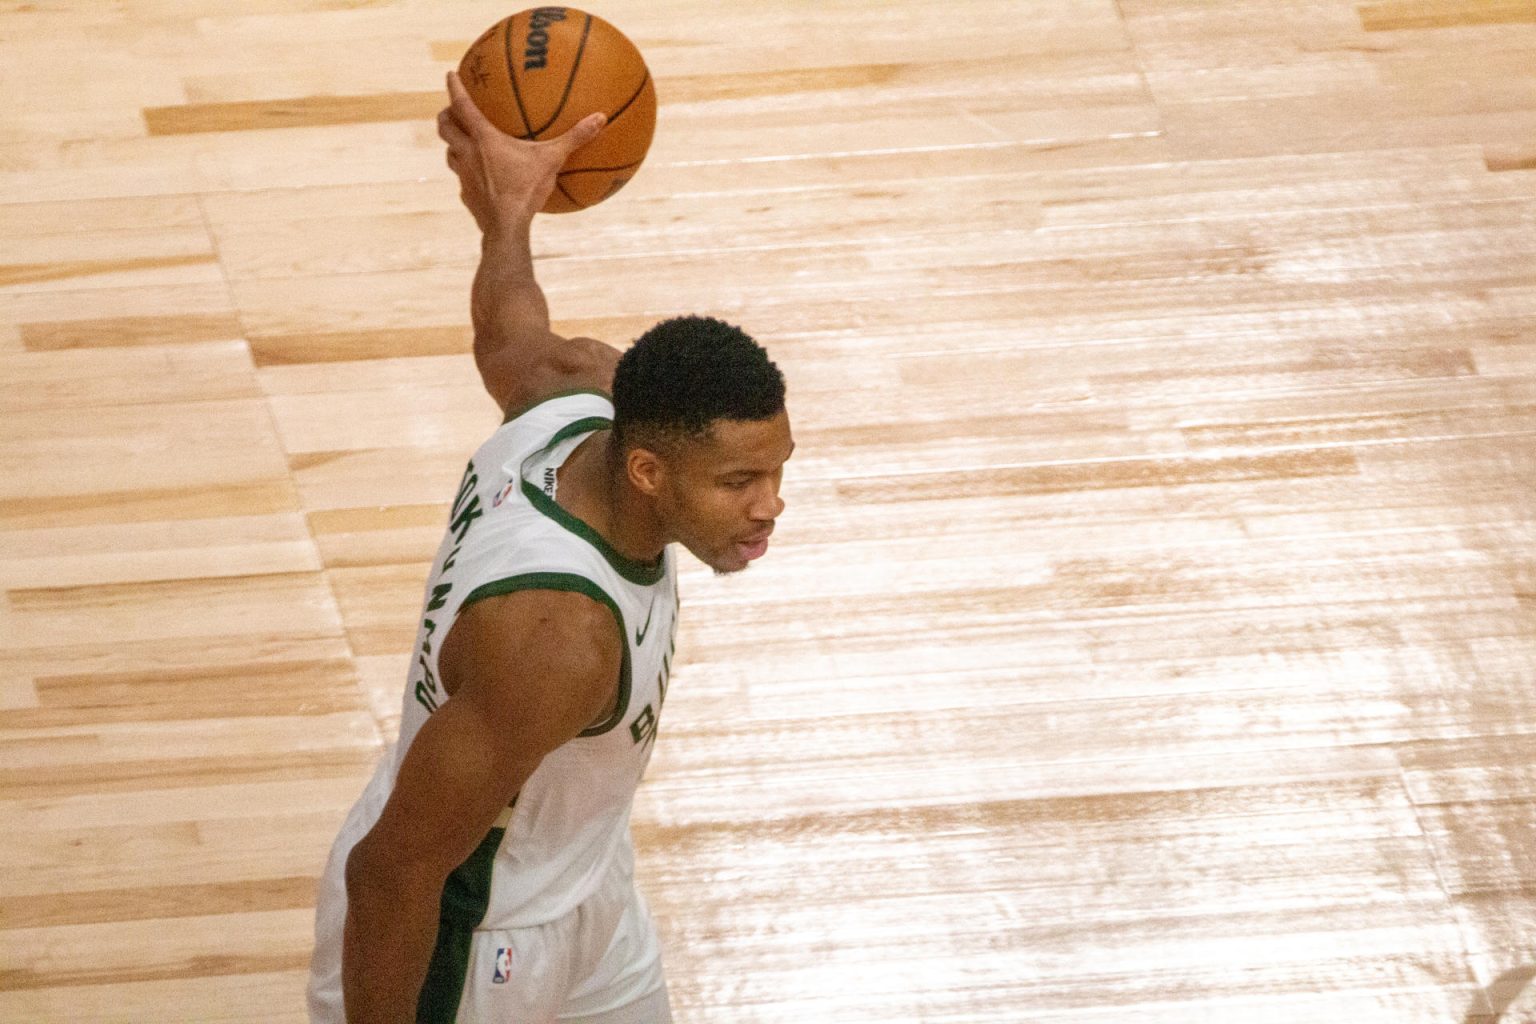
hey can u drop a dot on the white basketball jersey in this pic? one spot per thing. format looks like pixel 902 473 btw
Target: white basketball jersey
pixel 507 532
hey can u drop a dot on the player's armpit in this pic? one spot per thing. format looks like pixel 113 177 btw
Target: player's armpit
pixel 528 671
pixel 518 378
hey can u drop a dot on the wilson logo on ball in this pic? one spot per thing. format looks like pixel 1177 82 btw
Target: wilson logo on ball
pixel 536 45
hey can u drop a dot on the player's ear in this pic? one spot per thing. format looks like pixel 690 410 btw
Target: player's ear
pixel 646 470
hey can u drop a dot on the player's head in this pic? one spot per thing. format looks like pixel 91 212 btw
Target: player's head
pixel 700 425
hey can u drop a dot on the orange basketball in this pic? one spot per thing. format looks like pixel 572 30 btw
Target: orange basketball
pixel 537 73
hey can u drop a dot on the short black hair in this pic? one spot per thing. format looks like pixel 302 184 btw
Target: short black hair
pixel 687 372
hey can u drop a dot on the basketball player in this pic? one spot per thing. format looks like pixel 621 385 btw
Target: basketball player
pixel 486 873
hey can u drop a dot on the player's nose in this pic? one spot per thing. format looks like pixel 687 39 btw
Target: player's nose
pixel 768 510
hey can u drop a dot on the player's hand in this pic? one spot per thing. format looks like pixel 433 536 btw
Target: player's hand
pixel 503 180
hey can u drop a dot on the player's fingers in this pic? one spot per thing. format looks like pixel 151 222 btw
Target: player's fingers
pixel 464 110
pixel 583 132
pixel 450 131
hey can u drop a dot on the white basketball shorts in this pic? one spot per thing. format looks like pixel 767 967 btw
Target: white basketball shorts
pixel 599 964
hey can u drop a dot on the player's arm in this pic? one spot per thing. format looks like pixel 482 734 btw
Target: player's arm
pixel 504 181
pixel 527 672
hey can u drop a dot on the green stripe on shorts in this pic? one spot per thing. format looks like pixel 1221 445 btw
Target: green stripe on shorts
pixel 466 895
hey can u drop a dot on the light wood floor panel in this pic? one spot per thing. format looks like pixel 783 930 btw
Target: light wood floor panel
pixel 99 168
pixel 1150 634
pixel 39 382
pixel 1405 105
pixel 141 552
pixel 284 602
pixel 378 477
pixel 237 998
pixel 350 302
pixel 190 852
pixel 159 949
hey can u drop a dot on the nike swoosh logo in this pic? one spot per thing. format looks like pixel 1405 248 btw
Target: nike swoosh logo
pixel 640 633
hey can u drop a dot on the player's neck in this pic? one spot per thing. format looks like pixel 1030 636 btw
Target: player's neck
pixel 594 488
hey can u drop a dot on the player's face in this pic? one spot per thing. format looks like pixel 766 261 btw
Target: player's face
pixel 721 495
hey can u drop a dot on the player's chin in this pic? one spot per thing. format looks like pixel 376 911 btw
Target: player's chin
pixel 737 556
pixel 728 563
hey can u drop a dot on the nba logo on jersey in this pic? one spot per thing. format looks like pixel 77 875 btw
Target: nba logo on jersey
pixel 503 966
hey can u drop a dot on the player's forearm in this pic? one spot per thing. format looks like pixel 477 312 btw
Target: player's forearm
pixel 386 947
pixel 507 306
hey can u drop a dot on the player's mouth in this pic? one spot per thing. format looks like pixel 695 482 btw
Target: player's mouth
pixel 754 547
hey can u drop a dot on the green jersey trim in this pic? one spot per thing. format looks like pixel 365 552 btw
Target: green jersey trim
pixel 524 410
pixel 570 583
pixel 585 425
pixel 643 573
pixel 466 896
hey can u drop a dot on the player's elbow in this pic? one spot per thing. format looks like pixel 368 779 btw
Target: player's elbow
pixel 375 874
pixel 366 872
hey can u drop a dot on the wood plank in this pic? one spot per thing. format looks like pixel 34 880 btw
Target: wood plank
pixel 299 112
pixel 346 346
pixel 105 332
pixel 1397 15
pixel 34 273
pixel 104 906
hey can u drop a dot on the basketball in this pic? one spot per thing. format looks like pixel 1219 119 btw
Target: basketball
pixel 538 72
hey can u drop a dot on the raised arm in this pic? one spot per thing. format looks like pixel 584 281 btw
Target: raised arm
pixel 527 672
pixel 504 181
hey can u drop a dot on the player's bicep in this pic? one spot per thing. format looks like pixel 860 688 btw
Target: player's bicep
pixel 455 779
pixel 527 673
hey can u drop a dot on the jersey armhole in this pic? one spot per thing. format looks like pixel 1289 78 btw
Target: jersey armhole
pixel 573 584
pixel 525 409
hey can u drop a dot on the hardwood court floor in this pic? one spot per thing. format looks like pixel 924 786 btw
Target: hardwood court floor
pixel 1151 636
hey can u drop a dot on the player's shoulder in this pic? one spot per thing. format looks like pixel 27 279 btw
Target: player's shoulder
pixel 559 629
pixel 519 377
pixel 538 607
